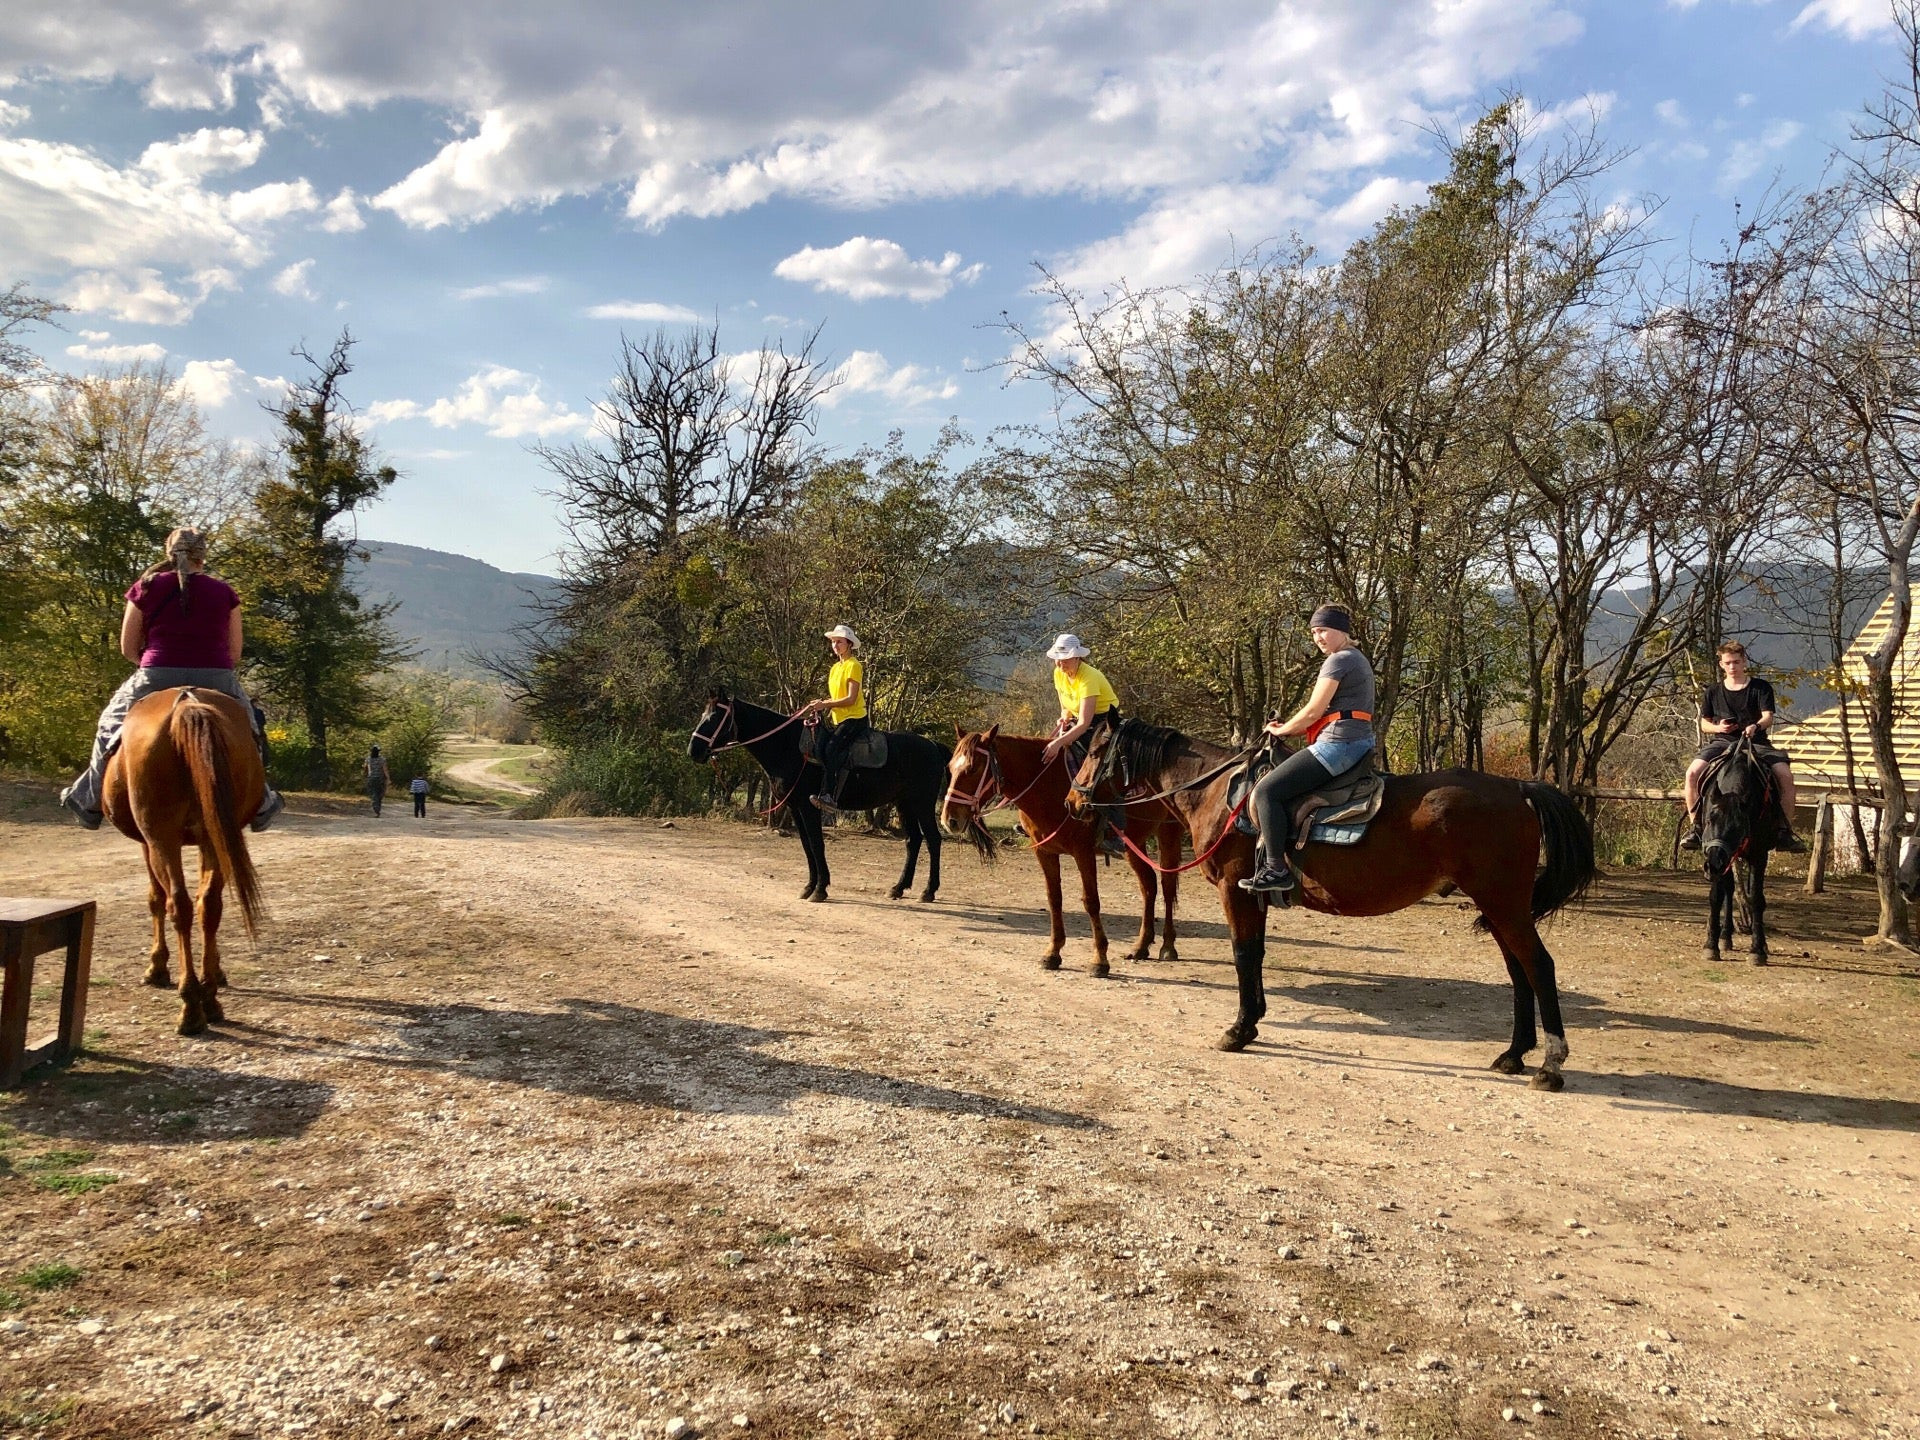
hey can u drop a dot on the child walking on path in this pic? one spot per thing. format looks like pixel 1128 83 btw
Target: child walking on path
pixel 418 785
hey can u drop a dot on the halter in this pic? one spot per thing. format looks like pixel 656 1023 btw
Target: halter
pixel 993 780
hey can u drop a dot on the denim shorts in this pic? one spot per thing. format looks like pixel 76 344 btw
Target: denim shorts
pixel 1340 756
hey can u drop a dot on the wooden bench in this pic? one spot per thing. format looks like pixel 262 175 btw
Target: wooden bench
pixel 28 930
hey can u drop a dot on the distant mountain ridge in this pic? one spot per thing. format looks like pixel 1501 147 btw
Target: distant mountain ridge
pixel 452 607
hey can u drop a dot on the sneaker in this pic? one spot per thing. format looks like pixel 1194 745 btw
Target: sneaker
pixel 1269 877
pixel 269 807
pixel 1788 843
pixel 88 819
pixel 826 804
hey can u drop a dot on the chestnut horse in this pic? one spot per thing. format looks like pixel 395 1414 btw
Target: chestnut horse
pixel 987 764
pixel 187 772
pixel 1481 834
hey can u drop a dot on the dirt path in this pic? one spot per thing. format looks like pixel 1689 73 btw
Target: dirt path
pixel 575 1127
pixel 479 775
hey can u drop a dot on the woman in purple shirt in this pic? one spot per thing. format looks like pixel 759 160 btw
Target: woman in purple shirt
pixel 181 627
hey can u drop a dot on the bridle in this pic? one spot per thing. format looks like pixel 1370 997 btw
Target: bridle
pixel 1109 759
pixel 724 708
pixel 992 781
pixel 1741 750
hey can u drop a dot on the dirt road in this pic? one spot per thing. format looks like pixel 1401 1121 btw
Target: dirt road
pixel 581 1127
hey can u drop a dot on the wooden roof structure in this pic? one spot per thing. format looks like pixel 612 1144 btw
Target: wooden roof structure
pixel 1820 744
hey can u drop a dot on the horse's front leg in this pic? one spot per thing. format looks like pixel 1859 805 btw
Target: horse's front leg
pixel 1757 947
pixel 157 975
pixel 910 824
pixel 1149 883
pixel 1056 914
pixel 814 844
pixel 1169 886
pixel 1247 925
pixel 213 886
pixel 1090 898
pixel 930 827
pixel 1715 886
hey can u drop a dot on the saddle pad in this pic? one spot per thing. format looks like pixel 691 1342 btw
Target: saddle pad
pixel 1326 834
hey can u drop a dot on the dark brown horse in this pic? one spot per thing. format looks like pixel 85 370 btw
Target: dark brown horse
pixel 1739 819
pixel 188 773
pixel 987 765
pixel 1480 834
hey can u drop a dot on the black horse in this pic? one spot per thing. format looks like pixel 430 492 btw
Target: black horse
pixel 912 781
pixel 1739 819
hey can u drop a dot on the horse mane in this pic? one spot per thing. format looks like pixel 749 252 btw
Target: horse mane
pixel 1142 748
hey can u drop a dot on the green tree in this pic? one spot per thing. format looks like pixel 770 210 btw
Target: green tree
pixel 312 644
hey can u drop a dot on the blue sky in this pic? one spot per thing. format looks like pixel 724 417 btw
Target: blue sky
pixel 488 193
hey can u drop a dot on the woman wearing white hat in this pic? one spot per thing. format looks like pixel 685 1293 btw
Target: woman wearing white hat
pixel 846 707
pixel 1087 698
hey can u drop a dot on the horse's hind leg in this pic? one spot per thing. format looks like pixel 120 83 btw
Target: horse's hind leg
pixel 1532 970
pixel 1512 1060
pixel 1090 897
pixel 213 885
pixel 156 975
pixel 193 991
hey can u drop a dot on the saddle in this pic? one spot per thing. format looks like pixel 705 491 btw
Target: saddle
pixel 1336 814
pixel 869 752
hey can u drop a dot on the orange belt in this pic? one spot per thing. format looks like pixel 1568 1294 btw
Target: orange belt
pixel 1313 730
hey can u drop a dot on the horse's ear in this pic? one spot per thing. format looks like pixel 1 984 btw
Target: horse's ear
pixel 959 731
pixel 993 730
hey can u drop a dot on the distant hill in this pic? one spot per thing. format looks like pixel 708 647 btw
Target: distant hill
pixel 451 606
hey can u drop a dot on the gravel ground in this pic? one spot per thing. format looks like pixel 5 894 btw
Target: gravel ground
pixel 591 1128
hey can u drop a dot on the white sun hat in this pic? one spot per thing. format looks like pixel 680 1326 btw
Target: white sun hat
pixel 1068 647
pixel 844 632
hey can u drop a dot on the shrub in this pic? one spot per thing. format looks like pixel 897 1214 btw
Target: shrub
pixel 413 744
pixel 628 772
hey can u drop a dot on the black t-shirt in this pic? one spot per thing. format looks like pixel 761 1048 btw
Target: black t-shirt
pixel 1744 706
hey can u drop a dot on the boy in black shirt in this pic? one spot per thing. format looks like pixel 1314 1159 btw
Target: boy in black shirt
pixel 1741 703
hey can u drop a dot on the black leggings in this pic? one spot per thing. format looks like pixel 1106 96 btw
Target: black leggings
pixel 1301 773
pixel 833 753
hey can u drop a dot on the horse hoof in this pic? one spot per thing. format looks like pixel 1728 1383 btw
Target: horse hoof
pixel 215 1013
pixel 1710 955
pixel 926 897
pixel 159 979
pixel 1169 954
pixel 1101 970
pixel 1051 962
pixel 1234 1038
pixel 1508 1063
pixel 1549 1080
pixel 896 892
pixel 192 1024
pixel 819 896
pixel 1760 959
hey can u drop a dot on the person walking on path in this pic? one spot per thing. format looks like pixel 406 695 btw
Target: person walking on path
pixel 377 777
pixel 181 626
pixel 418 785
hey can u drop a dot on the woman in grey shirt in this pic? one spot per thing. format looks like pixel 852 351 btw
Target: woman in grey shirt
pixel 1337 721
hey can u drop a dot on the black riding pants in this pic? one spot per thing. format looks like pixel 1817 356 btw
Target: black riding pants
pixel 1272 803
pixel 833 753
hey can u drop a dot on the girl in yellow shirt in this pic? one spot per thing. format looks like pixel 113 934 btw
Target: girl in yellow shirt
pixel 846 707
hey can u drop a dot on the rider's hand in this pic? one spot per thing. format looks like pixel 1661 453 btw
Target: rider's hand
pixel 1273 728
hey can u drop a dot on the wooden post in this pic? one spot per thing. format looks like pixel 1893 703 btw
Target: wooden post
pixel 1822 847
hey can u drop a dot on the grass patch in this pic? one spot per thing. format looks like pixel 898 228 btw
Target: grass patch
pixel 54 1276
pixel 57 1160
pixel 11 1300
pixel 774 1239
pixel 511 1221
pixel 66 1182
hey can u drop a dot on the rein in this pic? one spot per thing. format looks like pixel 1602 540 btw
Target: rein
pixel 1085 792
pixel 736 743
pixel 1233 815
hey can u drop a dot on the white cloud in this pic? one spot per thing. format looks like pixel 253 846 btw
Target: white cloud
pixel 506 403
pixel 342 215
pixel 646 311
pixel 148 240
pixel 11 114
pixel 866 372
pixel 210 383
pixel 181 83
pixel 498 289
pixel 1671 113
pixel 1856 19
pixel 295 282
pixel 96 335
pixel 867 269
pixel 117 354
pixel 1747 157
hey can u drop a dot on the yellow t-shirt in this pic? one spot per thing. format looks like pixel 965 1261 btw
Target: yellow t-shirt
pixel 1088 682
pixel 839 681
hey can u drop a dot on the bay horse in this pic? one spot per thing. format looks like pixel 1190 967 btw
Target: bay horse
pixel 911 781
pixel 1739 821
pixel 1481 834
pixel 187 772
pixel 987 764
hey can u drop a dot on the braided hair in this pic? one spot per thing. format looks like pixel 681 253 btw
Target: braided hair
pixel 184 548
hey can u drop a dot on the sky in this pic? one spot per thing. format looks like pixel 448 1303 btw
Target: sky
pixel 489 194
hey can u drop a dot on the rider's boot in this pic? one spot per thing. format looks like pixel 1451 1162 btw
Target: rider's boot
pixel 827 797
pixel 1784 838
pixel 1109 839
pixel 1691 840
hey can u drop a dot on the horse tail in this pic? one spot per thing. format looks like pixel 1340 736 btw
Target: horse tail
pixel 201 741
pixel 1568 839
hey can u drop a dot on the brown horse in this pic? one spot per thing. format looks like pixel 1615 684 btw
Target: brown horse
pixel 1480 834
pixel 187 772
pixel 987 764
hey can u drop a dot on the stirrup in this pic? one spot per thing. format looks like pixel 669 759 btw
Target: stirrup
pixel 85 818
pixel 269 808
pixel 1269 878
pixel 822 800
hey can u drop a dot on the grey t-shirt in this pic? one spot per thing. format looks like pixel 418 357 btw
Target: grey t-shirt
pixel 1354 692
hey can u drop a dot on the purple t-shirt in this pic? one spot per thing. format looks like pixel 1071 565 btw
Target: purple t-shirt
pixel 185 637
